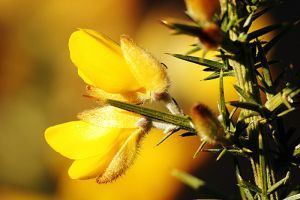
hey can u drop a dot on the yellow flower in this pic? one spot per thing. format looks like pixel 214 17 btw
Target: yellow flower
pixel 202 11
pixel 103 143
pixel 124 73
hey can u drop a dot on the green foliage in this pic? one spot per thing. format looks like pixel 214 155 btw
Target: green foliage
pixel 256 132
pixel 211 65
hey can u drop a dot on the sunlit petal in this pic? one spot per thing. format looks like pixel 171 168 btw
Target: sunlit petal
pixel 123 159
pixel 95 166
pixel 109 116
pixel 90 167
pixel 149 72
pixel 100 62
pixel 135 97
pixel 79 139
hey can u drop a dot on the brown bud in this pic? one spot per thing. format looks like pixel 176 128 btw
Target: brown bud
pixel 202 11
pixel 206 124
pixel 211 36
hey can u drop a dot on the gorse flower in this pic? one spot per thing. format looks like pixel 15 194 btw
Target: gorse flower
pixel 126 73
pixel 103 143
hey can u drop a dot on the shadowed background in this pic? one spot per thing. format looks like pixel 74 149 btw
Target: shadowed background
pixel 39 87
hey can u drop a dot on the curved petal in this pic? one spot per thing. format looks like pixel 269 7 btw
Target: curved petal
pixel 146 69
pixel 99 61
pixel 84 78
pixel 123 159
pixel 94 166
pixel 135 97
pixel 89 167
pixel 109 116
pixel 79 139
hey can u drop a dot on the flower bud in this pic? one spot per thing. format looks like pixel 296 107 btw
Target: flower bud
pixel 202 11
pixel 206 124
pixel 211 36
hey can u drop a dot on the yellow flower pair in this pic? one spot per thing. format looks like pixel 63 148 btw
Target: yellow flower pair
pixel 105 141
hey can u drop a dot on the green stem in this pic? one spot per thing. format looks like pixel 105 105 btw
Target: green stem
pixel 245 74
pixel 263 168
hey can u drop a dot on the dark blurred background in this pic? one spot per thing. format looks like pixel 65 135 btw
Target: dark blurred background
pixel 39 87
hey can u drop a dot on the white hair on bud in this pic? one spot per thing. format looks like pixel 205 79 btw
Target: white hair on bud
pixel 144 123
pixel 220 118
pixel 166 127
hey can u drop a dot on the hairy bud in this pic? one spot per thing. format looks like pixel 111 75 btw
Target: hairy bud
pixel 202 11
pixel 207 125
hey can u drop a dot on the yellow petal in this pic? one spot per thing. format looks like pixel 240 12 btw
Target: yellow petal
pixel 109 116
pixel 86 79
pixel 79 139
pixel 95 166
pixel 99 61
pixel 135 97
pixel 123 159
pixel 148 71
pixel 89 167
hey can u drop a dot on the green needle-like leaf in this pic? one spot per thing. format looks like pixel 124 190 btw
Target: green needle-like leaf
pixel 249 106
pixel 194 50
pixel 223 152
pixel 199 149
pixel 214 65
pixel 245 192
pixel 246 96
pixel 248 20
pixel 270 62
pixel 188 179
pixel 263 31
pixel 266 71
pixel 262 12
pixel 181 121
pixel 198 184
pixel 280 183
pixel 281 98
pixel 283 113
pixel 217 75
pixel 182 27
pixel 208 69
pixel 294 197
pixel 188 134
pixel 166 136
pixel 222 106
pixel 233 151
pixel 263 167
pixel 250 186
pixel 240 127
pixel 297 151
pixel 233 112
